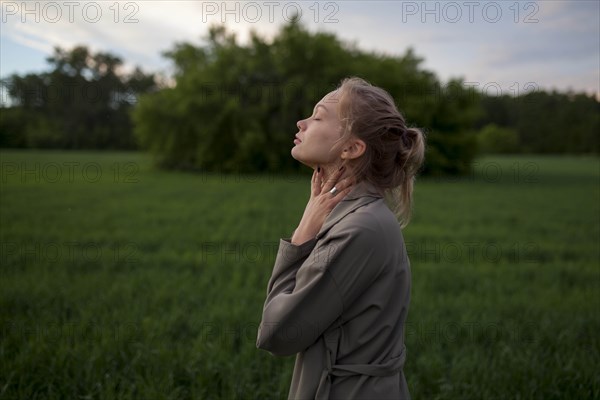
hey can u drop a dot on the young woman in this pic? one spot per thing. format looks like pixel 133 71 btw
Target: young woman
pixel 339 293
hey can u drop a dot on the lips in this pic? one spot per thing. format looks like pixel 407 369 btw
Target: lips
pixel 297 140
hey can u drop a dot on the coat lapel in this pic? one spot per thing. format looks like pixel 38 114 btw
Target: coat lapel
pixel 363 193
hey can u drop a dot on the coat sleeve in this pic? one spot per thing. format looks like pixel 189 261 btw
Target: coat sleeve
pixel 307 292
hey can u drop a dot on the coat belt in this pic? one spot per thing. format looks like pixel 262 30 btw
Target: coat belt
pixel 390 367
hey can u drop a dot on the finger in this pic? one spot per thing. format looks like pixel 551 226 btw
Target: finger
pixel 319 177
pixel 317 181
pixel 336 198
pixel 343 187
pixel 344 183
pixel 330 183
pixel 339 195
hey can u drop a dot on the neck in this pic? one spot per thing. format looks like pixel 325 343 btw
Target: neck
pixel 330 170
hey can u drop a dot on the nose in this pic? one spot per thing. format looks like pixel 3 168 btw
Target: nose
pixel 300 124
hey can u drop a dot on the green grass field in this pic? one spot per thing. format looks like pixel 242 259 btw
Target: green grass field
pixel 119 281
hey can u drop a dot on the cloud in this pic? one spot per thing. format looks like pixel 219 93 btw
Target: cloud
pixel 566 33
pixel 32 42
pixel 140 30
pixel 574 16
pixel 552 43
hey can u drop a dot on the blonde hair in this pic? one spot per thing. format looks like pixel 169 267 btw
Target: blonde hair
pixel 394 153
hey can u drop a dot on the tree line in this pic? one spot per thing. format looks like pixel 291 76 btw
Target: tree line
pixel 83 102
pixel 234 107
pixel 540 122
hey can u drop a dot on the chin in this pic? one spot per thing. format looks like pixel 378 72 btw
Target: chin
pixel 301 159
pixel 294 153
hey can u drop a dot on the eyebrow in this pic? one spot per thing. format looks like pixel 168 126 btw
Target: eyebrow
pixel 320 105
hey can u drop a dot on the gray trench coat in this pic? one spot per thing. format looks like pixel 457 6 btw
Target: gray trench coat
pixel 340 301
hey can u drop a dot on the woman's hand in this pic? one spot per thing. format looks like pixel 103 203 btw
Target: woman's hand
pixel 320 204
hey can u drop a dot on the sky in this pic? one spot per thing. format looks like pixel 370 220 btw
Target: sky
pixel 501 47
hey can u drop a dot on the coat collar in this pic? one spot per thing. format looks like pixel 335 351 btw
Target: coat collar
pixel 361 194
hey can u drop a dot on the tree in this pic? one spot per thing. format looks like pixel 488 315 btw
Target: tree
pixel 495 140
pixel 235 107
pixel 547 122
pixel 84 101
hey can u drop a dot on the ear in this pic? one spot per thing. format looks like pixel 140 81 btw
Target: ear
pixel 354 148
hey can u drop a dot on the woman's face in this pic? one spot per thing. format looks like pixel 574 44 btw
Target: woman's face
pixel 314 143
